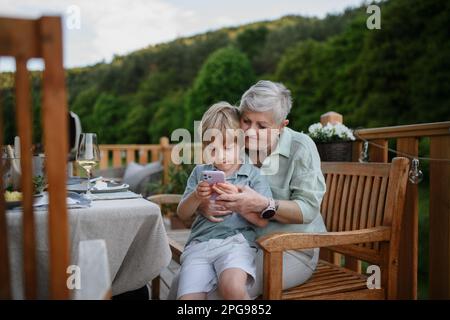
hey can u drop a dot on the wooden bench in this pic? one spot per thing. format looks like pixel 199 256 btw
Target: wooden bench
pixel 362 210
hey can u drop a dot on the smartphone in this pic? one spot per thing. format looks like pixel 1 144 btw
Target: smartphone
pixel 213 177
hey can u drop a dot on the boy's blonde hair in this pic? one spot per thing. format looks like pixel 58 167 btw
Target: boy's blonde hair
pixel 220 116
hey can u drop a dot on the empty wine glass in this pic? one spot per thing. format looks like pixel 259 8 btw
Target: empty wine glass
pixel 88 156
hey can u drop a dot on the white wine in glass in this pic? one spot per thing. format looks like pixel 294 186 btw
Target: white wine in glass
pixel 88 156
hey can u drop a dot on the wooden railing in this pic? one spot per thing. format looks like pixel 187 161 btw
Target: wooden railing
pixel 117 155
pixel 407 142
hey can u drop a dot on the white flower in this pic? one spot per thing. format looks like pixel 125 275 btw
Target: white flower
pixel 351 136
pixel 330 132
pixel 315 127
pixel 328 129
pixel 340 129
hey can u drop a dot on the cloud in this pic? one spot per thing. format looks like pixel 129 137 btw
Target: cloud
pixel 110 27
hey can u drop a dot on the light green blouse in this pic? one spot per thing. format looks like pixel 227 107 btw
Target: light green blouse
pixel 293 172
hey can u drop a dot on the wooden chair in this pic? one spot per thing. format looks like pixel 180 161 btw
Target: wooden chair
pixel 362 210
pixel 24 39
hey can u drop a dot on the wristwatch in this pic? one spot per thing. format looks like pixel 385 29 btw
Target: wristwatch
pixel 270 211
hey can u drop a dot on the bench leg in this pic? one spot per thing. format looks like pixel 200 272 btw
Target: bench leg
pixel 155 288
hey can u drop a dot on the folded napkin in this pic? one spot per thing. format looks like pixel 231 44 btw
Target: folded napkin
pixel 100 185
pixel 115 195
pixel 74 200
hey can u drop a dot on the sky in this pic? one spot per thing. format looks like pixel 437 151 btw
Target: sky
pixel 95 31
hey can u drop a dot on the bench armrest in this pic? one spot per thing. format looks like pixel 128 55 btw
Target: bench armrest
pixel 277 242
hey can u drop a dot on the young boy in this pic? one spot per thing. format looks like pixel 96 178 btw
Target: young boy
pixel 219 254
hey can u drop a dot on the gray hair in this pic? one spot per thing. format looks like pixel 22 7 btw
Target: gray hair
pixel 267 96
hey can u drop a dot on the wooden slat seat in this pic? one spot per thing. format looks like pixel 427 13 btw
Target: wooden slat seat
pixel 328 281
pixel 331 282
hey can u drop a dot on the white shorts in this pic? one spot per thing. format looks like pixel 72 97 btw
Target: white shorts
pixel 203 262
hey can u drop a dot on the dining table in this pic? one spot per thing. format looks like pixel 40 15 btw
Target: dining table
pixel 132 228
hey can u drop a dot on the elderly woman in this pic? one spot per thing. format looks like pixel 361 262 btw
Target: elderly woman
pixel 291 163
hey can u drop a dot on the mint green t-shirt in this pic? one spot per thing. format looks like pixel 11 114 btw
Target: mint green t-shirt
pixel 294 173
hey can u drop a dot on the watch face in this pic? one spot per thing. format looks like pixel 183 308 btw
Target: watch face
pixel 268 214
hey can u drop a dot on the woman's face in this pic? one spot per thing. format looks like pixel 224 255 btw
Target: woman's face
pixel 261 130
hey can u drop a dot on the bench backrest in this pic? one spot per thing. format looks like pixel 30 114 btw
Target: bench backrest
pixel 365 195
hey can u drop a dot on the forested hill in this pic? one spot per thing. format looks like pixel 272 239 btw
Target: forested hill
pixel 397 75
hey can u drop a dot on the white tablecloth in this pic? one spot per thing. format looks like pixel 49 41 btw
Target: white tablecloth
pixel 133 230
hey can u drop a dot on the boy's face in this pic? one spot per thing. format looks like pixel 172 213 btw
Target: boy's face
pixel 223 155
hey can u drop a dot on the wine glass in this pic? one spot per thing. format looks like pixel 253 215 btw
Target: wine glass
pixel 88 156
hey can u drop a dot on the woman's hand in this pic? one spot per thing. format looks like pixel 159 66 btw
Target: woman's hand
pixel 246 201
pixel 255 218
pixel 225 188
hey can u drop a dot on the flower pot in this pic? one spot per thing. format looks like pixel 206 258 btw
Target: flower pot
pixel 335 151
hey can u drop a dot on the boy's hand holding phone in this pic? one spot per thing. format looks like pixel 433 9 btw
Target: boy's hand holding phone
pixel 203 190
pixel 212 178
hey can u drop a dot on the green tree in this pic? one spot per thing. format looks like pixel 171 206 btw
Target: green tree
pixel 168 116
pixel 226 74
pixel 134 126
pixel 109 112
pixel 83 106
pixel 251 41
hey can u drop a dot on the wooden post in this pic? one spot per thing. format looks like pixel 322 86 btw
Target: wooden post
pixel 130 155
pixel 117 158
pixel 356 150
pixel 378 152
pixel 143 156
pixel 440 218
pixel 332 117
pixel 24 125
pixel 104 158
pixel 165 149
pixel 325 254
pixel 5 286
pixel 409 241
pixel 272 275
pixel 335 258
pixel 156 284
pixel 54 119
pixel 154 154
